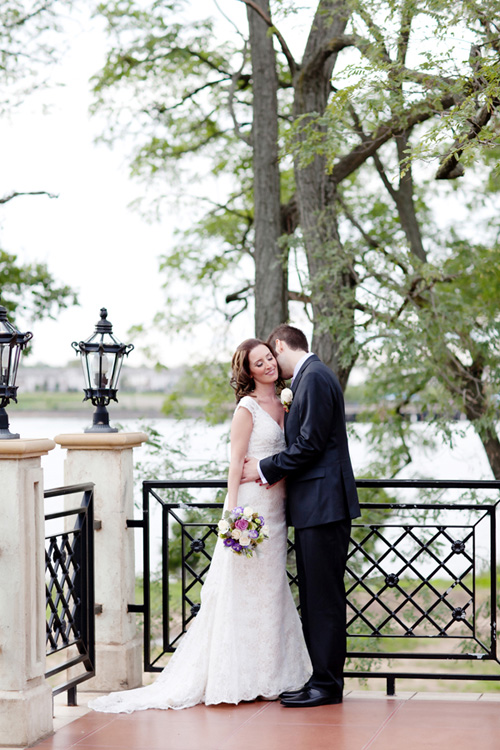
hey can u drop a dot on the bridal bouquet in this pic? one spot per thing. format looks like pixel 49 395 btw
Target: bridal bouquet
pixel 242 529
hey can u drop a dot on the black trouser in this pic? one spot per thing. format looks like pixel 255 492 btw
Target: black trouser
pixel 321 559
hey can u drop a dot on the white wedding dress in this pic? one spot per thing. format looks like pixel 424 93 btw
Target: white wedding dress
pixel 246 640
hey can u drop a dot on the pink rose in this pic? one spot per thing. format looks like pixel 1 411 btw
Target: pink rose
pixel 241 524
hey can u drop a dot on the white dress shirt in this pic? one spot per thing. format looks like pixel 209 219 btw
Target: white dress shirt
pixel 299 365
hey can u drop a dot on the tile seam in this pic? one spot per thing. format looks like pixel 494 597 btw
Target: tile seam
pixel 383 726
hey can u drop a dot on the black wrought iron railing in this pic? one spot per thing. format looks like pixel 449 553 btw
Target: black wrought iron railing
pixel 69 586
pixel 421 577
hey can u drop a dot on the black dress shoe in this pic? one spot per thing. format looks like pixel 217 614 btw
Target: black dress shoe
pixel 310 697
pixel 292 693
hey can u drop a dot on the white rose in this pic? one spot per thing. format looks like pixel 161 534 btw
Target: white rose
pixel 223 526
pixel 286 398
pixel 244 540
pixel 235 533
pixel 248 512
pixel 265 530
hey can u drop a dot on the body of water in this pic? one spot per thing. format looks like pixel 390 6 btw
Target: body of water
pixel 466 459
pixel 201 443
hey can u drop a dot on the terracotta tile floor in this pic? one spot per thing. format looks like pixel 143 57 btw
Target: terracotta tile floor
pixel 365 721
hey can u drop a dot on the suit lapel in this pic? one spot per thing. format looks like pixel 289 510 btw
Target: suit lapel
pixel 312 358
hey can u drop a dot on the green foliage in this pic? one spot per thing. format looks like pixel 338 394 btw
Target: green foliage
pixel 165 460
pixel 433 61
pixel 29 43
pixel 426 322
pixel 204 387
pixel 31 287
pixel 162 458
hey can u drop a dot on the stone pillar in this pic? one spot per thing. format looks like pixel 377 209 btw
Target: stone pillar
pixel 106 459
pixel 25 697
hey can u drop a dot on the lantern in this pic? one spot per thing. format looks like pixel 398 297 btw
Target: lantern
pixel 102 356
pixel 12 342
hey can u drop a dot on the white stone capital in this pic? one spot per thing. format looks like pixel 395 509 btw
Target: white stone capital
pixel 17 448
pixel 101 441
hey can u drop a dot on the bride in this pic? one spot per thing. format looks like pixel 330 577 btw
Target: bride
pixel 246 641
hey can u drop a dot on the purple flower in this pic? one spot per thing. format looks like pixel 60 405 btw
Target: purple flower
pixel 261 519
pixel 228 542
pixel 237 511
pixel 253 534
pixel 241 524
pixel 237 547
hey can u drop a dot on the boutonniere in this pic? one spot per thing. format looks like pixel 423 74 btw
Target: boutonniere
pixel 286 397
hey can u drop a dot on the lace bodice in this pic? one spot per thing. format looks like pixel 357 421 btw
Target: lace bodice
pixel 267 436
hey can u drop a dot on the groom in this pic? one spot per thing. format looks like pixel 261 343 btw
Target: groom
pixel 321 501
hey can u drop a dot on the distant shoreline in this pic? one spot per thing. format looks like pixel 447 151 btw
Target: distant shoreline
pixel 115 414
pixel 130 405
pixel 148 405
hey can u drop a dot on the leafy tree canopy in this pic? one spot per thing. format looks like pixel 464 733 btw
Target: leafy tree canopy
pixel 388 140
pixel 30 41
pixel 31 288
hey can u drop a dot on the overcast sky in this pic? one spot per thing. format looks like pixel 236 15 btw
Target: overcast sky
pixel 89 236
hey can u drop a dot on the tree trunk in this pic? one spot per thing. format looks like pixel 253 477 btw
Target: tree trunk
pixel 405 202
pixel 331 284
pixel 271 295
pixel 491 445
pixel 475 408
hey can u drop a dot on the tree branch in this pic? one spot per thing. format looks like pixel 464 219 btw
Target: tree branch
pixel 226 206
pixel 284 46
pixel 10 197
pixel 404 31
pixel 202 58
pixel 375 31
pixel 450 167
pixel 161 108
pixel 234 83
pixel 383 176
pixel 299 297
pixel 240 295
pixel 421 112
pixel 370 241
pixel 29 16
pixel 337 44
pixel 425 79
pixel 404 200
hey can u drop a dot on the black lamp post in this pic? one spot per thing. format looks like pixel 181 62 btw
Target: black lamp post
pixel 102 355
pixel 12 342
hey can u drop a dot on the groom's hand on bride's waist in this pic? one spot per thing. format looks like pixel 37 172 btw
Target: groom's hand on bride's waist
pixel 251 471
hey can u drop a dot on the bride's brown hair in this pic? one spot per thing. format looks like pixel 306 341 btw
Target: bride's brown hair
pixel 241 379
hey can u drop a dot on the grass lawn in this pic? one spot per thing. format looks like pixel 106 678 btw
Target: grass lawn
pixel 409 645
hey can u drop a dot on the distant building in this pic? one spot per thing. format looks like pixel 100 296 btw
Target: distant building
pixel 70 378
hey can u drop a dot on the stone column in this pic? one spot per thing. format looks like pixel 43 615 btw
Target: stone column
pixel 106 459
pixel 25 697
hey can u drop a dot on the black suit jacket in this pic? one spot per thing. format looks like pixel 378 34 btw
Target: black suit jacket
pixel 316 462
